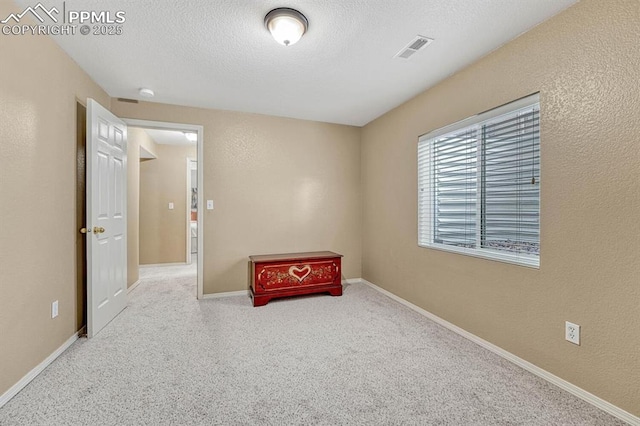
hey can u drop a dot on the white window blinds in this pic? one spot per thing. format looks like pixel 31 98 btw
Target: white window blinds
pixel 479 185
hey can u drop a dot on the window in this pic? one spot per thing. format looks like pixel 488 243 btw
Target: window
pixel 479 185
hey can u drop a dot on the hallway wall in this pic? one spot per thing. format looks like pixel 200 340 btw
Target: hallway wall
pixel 137 138
pixel 163 232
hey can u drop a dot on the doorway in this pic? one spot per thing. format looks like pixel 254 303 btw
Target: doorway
pixel 82 181
pixel 169 206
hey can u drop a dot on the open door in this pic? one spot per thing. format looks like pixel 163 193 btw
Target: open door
pixel 106 217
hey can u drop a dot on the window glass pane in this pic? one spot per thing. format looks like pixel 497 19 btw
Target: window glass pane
pixel 511 183
pixel 454 188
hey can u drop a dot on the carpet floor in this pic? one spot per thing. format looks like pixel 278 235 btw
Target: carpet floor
pixel 359 359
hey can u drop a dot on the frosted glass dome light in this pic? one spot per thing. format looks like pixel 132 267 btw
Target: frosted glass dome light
pixel 286 25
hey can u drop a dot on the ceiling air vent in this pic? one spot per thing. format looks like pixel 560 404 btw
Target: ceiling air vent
pixel 131 101
pixel 420 42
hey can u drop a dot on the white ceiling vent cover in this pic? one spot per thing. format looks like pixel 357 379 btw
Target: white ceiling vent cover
pixel 418 43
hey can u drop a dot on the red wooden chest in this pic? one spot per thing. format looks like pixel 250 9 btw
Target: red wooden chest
pixel 293 274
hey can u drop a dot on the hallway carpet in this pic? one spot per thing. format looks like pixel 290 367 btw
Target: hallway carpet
pixel 359 359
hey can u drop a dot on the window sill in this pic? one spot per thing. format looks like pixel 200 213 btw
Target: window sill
pixel 515 259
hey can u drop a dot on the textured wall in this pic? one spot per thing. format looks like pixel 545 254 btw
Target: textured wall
pixel 133 203
pixel 163 180
pixel 39 88
pixel 136 138
pixel 278 185
pixel 586 64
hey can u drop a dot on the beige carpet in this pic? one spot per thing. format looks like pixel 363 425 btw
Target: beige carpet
pixel 357 359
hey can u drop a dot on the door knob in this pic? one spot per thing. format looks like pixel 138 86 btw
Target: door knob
pixel 84 230
pixel 98 229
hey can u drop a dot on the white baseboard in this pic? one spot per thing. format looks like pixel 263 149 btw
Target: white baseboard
pixel 155 265
pixel 551 378
pixel 13 390
pixel 133 286
pixel 352 281
pixel 225 294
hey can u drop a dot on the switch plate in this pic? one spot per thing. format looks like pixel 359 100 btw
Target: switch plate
pixel 170 206
pixel 54 309
pixel 209 204
pixel 572 332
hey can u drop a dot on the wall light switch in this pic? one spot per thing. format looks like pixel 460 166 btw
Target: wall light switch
pixel 209 204
pixel 54 309
pixel 170 206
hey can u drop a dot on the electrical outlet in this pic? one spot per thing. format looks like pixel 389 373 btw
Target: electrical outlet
pixel 170 206
pixel 54 309
pixel 572 332
pixel 209 204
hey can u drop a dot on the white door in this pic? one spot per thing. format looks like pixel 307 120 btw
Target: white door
pixel 106 217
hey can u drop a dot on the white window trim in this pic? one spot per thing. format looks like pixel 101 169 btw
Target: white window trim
pixel 483 116
pixel 520 259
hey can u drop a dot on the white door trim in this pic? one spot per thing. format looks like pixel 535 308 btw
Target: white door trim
pixel 163 125
pixel 189 161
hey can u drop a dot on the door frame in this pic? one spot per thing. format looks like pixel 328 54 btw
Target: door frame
pixel 189 185
pixel 81 216
pixel 164 125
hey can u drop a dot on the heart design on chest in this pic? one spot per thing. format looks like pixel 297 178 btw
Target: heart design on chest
pixel 300 273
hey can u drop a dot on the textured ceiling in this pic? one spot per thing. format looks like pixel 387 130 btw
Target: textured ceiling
pixel 217 54
pixel 169 137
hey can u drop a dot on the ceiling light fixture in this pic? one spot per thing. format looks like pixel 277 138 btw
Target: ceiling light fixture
pixel 146 93
pixel 286 25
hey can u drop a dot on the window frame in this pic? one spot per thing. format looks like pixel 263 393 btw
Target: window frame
pixel 522 259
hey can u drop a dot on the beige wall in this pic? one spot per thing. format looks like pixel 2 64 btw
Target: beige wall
pixel 136 138
pixel 278 185
pixel 163 180
pixel 39 86
pixel 585 63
